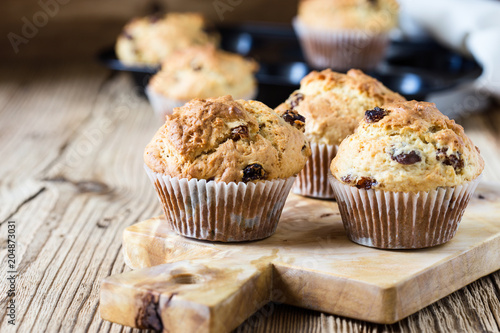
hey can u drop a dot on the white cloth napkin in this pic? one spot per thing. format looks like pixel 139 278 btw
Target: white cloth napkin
pixel 471 27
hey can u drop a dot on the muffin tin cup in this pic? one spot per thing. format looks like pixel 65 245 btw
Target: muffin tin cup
pixel 163 106
pixel 312 181
pixel 402 220
pixel 217 211
pixel 341 50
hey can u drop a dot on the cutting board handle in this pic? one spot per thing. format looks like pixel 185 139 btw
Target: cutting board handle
pixel 187 296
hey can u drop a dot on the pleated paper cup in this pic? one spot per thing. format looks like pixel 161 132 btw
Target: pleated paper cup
pixel 163 106
pixel 217 211
pixel 402 220
pixel 313 181
pixel 341 50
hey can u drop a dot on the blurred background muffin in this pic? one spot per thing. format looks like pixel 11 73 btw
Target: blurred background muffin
pixel 201 72
pixel 405 177
pixel 343 34
pixel 149 40
pixel 223 168
pixel 332 104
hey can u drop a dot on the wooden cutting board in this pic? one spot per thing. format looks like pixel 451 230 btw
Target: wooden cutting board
pixel 184 285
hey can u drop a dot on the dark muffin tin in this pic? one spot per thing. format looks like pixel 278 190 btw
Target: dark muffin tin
pixel 412 69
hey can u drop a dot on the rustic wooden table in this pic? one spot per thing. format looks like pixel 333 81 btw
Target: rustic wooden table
pixel 72 138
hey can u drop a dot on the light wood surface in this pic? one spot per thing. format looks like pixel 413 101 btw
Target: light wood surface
pixel 308 262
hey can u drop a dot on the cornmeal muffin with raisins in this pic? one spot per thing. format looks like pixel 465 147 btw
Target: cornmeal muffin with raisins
pixel 343 34
pixel 223 168
pixel 405 177
pixel 333 104
pixel 364 15
pixel 149 40
pixel 407 147
pixel 225 140
pixel 201 72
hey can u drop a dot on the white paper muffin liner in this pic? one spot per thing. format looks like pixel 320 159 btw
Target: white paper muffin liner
pixel 217 211
pixel 313 181
pixel 163 106
pixel 341 50
pixel 402 220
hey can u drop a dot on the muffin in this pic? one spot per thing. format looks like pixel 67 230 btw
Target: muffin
pixel 223 168
pixel 343 34
pixel 201 72
pixel 148 40
pixel 405 177
pixel 333 104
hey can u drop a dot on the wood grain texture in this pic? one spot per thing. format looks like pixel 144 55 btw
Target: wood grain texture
pixel 71 141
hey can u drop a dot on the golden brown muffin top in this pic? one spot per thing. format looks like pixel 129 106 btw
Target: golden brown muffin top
pixel 149 40
pixel 407 147
pixel 225 140
pixel 372 16
pixel 333 103
pixel 203 72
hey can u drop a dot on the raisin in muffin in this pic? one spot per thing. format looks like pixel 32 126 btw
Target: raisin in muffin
pixel 223 168
pixel 342 34
pixel 333 104
pixel 405 177
pixel 201 72
pixel 149 40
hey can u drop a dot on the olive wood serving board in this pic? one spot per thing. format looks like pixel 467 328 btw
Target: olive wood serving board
pixel 184 285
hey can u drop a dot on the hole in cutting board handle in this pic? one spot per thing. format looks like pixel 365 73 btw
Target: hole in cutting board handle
pixel 187 278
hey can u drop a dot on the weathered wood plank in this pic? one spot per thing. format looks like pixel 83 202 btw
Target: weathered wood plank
pixel 37 123
pixel 110 147
pixel 71 247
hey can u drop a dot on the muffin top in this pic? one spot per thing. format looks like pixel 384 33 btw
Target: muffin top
pixel 373 16
pixel 334 103
pixel 203 72
pixel 407 147
pixel 149 40
pixel 225 140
